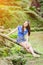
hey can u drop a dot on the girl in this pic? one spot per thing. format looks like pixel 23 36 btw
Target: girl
pixel 22 31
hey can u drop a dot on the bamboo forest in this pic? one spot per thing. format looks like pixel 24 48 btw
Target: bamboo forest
pixel 12 14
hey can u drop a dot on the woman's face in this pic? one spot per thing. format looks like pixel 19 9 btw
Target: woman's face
pixel 26 24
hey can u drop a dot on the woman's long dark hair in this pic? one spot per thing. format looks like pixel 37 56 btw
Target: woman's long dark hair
pixel 28 28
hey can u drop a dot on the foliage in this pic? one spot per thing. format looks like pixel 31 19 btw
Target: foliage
pixel 23 56
pixel 16 13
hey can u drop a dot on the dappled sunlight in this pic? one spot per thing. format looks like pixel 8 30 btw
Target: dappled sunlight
pixel 12 14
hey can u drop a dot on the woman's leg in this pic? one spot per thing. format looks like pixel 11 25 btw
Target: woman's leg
pixel 29 48
pixel 23 44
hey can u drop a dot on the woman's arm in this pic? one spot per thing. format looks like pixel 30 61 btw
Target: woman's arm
pixel 27 37
pixel 13 31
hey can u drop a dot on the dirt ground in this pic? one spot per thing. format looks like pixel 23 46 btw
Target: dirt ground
pixel 36 40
